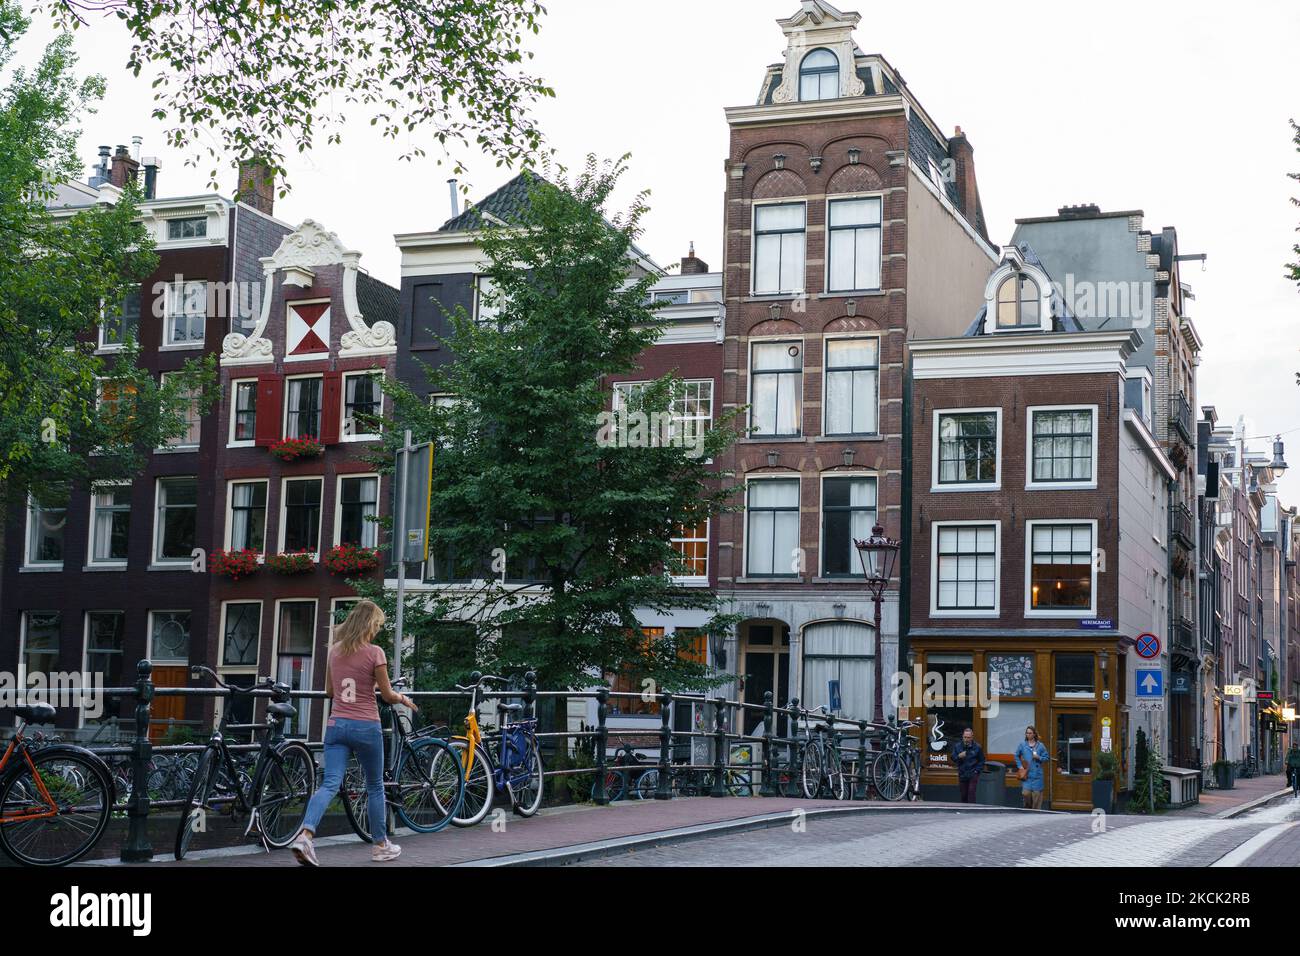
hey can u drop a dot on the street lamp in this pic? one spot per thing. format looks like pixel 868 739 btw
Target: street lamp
pixel 878 555
pixel 1279 463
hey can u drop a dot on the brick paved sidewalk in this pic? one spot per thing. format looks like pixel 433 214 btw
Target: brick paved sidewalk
pixel 1216 803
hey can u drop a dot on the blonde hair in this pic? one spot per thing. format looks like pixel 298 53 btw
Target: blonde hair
pixel 363 622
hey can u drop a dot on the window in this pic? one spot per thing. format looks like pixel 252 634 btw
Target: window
pixel 243 412
pixel 302 418
pixel 169 637
pixel 954 711
pixel 358 509
pixel 779 236
pixel 178 505
pixel 40 643
pixel 629 681
pixel 1061 568
pixel 1004 728
pixel 116 402
pixel 45 526
pixel 295 643
pixel 110 523
pixel 776 386
pixel 120 323
pixel 241 633
pixel 848 514
pixel 1018 304
pixel 363 400
pixel 819 76
pixel 693 545
pixel 852 386
pixel 1062 446
pixel 966 447
pixel 300 522
pixel 488 301
pixel 854 256
pixel 105 631
pixel 1075 675
pixel 772 537
pixel 191 227
pixel 839 651
pixel 187 309
pixel 965 569
pixel 691 406
pixel 190 437
pixel 247 516
pixel 673 297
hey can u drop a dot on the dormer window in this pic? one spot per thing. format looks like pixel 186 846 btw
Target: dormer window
pixel 819 76
pixel 1019 303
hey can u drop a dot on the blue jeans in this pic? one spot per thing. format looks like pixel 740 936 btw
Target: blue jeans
pixel 344 737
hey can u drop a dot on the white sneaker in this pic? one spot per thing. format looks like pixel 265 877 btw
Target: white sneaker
pixel 304 850
pixel 385 852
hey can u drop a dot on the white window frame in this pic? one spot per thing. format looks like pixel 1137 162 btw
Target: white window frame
pixel 826 372
pixel 96 489
pixel 222 666
pixel 821 516
pixel 696 580
pixel 284 412
pixel 935 484
pixel 168 345
pixel 938 612
pixel 303 718
pixel 619 392
pixel 231 441
pixel 100 343
pixel 228 537
pixel 178 220
pixel 797 478
pixel 1030 483
pixel 1075 613
pixel 749 387
pixel 320 530
pixel 376 374
pixel 24 622
pixel 880 233
pixel 28 563
pixel 155 557
pixel 85 653
pixel 753 247
pixel 485 286
pixel 338 505
pixel 180 445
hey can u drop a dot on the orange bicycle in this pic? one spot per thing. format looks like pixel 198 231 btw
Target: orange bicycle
pixel 54 801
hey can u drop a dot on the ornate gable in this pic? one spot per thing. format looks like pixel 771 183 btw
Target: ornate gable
pixel 818 25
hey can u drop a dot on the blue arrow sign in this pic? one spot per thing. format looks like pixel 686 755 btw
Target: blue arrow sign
pixel 1150 683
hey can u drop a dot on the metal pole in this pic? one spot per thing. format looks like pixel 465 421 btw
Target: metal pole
pixel 719 747
pixel 769 726
pixel 137 848
pixel 862 760
pixel 880 670
pixel 404 458
pixel 664 791
pixel 598 794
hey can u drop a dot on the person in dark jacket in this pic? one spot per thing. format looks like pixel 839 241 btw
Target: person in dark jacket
pixel 969 758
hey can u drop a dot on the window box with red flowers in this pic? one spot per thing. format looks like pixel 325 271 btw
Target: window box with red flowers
pixel 351 559
pixel 291 449
pixel 235 564
pixel 292 562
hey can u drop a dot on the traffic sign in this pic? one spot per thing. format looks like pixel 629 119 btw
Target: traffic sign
pixel 1150 683
pixel 1148 646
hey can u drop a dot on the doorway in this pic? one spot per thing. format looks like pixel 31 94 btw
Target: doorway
pixel 1072 758
pixel 764 665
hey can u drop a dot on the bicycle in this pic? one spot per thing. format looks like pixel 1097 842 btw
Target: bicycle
pixel 620 780
pixel 896 771
pixel 275 797
pixel 508 760
pixel 421 771
pixel 54 801
pixel 822 768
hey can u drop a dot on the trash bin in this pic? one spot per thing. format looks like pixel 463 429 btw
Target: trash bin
pixel 992 788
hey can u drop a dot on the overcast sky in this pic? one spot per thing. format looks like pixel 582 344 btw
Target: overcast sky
pixel 1176 108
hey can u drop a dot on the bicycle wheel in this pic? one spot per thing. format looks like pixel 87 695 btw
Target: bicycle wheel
pixel 738 784
pixel 281 796
pixel 81 793
pixel 647 785
pixel 526 781
pixel 194 813
pixel 356 806
pixel 836 781
pixel 889 776
pixel 613 785
pixel 812 771
pixel 480 787
pixel 430 786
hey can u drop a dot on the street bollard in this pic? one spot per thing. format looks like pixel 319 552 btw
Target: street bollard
pixel 664 790
pixel 769 725
pixel 719 747
pixel 598 794
pixel 862 761
pixel 137 848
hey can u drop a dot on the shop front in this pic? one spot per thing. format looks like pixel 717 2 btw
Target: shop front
pixel 1066 688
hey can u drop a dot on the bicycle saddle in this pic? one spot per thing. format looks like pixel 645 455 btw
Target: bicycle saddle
pixel 36 713
pixel 512 708
pixel 282 710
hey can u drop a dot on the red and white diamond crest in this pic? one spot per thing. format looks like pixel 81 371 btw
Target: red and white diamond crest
pixel 308 329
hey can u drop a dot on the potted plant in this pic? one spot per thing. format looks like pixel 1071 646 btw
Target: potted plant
pixel 351 559
pixel 234 564
pixel 1224 774
pixel 291 449
pixel 293 562
pixel 1103 782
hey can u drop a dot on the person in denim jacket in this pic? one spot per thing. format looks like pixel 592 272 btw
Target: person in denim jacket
pixel 1031 755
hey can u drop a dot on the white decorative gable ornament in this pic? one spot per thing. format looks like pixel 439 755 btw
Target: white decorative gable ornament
pixel 816 26
pixel 307 247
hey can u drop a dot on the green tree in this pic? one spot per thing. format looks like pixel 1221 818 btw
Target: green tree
pixel 243 75
pixel 567 519
pixel 67 414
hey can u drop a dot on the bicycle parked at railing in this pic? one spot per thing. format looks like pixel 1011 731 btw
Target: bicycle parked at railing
pixel 896 770
pixel 507 760
pixel 423 784
pixel 284 776
pixel 54 801
pixel 822 768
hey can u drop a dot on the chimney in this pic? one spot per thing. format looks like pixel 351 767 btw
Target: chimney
pixel 151 167
pixel 453 185
pixel 99 175
pixel 256 185
pixel 1087 210
pixel 968 195
pixel 692 266
pixel 124 168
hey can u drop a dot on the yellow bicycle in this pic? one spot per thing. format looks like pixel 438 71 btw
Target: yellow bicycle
pixel 508 760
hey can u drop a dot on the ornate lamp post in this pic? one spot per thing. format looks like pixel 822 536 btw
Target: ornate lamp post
pixel 878 555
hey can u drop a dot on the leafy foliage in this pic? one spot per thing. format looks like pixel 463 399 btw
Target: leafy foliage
pixel 1149 794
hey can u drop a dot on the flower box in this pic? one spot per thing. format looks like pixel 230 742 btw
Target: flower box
pixel 351 559
pixel 234 564
pixel 291 449
pixel 294 562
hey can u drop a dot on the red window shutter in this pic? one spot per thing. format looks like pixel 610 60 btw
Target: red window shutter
pixel 331 408
pixel 270 403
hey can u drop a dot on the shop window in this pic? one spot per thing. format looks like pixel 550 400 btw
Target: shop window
pixel 1074 743
pixel 1075 675
pixel 953 712
pixel 1005 729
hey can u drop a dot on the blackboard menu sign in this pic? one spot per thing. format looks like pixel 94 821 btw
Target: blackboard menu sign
pixel 1011 675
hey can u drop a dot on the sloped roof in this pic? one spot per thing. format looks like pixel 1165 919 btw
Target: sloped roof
pixel 377 300
pixel 1063 320
pixel 507 204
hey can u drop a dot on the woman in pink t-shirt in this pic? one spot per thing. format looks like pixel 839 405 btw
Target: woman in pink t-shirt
pixel 355 668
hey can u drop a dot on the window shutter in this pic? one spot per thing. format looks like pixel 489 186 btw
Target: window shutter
pixel 331 408
pixel 270 402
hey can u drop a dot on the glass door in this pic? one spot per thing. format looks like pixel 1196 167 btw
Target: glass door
pixel 1072 759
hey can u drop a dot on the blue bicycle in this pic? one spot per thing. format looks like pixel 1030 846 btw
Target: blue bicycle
pixel 507 760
